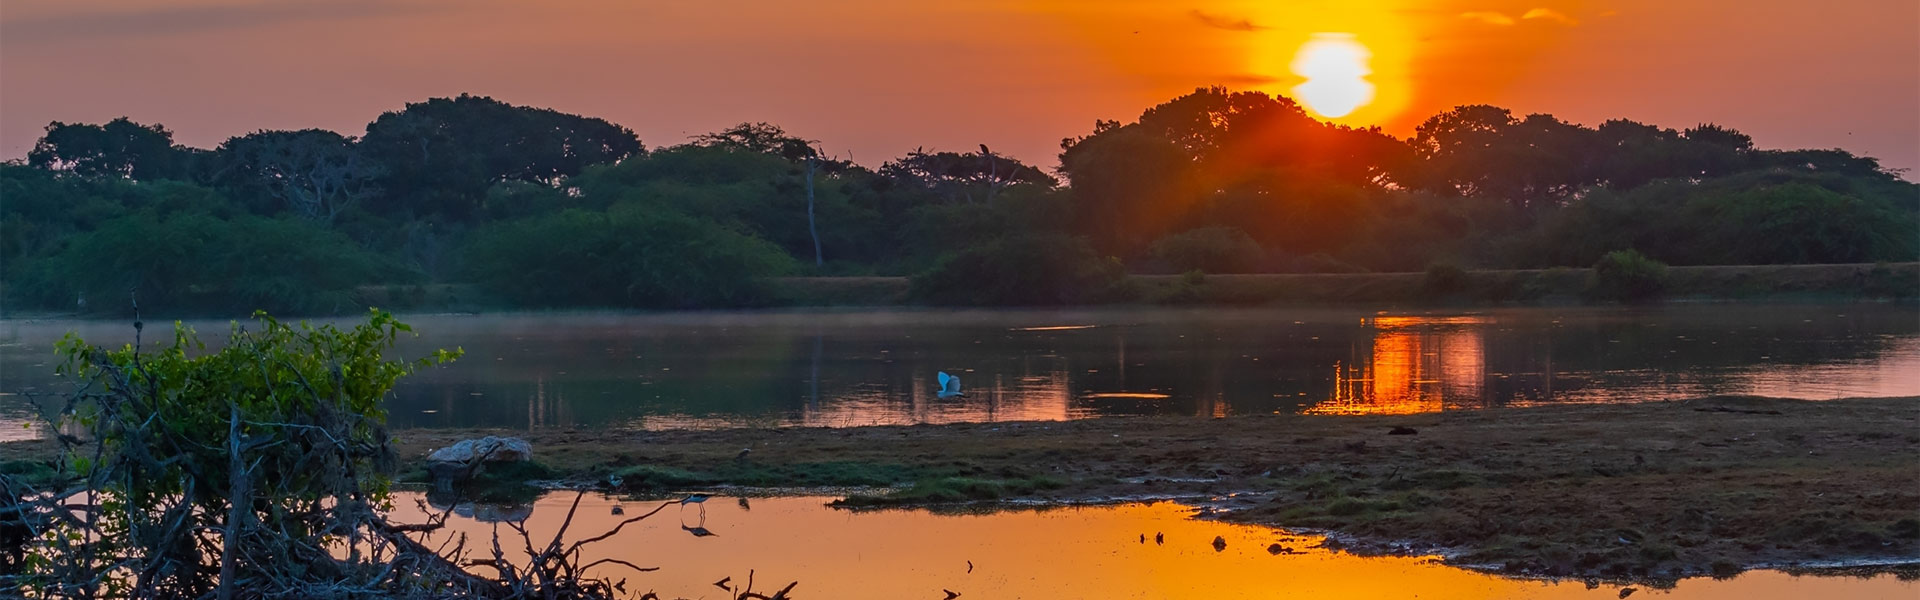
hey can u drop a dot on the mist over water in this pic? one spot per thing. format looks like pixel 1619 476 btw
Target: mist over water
pixel 852 368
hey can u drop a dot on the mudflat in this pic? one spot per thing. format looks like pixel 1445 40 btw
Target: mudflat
pixel 1629 491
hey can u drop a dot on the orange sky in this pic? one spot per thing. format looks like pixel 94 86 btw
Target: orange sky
pixel 874 79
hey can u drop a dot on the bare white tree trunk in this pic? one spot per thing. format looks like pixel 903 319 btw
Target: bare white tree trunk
pixel 239 502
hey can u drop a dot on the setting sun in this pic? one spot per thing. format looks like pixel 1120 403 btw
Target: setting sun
pixel 1341 300
pixel 1335 68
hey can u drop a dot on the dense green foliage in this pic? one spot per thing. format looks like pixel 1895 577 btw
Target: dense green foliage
pixel 551 209
pixel 1209 250
pixel 1762 217
pixel 1025 270
pixel 628 256
pixel 268 376
pixel 1628 276
pixel 287 418
pixel 1443 279
pixel 176 245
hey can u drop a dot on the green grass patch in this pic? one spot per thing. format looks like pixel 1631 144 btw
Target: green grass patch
pixel 650 478
pixel 1441 479
pixel 956 489
pixel 30 471
pixel 505 483
pixel 822 474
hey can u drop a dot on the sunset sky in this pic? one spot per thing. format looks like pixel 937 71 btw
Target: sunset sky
pixel 873 79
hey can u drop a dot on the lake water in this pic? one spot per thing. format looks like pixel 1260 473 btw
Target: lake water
pixel 853 368
pixel 1078 552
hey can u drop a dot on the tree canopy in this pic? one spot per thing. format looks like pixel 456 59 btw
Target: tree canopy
pixel 441 155
pixel 120 148
pixel 546 208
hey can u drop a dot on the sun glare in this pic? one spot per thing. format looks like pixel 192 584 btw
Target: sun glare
pixel 1335 68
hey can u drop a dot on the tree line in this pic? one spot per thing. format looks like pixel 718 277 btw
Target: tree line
pixel 543 208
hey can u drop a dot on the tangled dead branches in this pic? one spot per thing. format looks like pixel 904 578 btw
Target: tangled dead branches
pixel 260 471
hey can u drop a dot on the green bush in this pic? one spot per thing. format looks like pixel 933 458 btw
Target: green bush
pixel 1189 288
pixel 1027 270
pixel 199 262
pixel 1444 279
pixel 1209 249
pixel 627 257
pixel 1628 276
pixel 1747 219
pixel 1322 263
pixel 1883 281
pixel 288 418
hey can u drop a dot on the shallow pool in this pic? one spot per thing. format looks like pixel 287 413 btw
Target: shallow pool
pixel 1147 551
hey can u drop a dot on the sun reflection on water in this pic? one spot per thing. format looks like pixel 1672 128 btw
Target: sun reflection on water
pixel 1417 364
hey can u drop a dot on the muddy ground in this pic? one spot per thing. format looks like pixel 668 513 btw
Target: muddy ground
pixel 1644 491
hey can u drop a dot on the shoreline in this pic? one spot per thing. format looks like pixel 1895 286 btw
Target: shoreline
pixel 1632 492
pixel 1489 288
pixel 1906 568
pixel 1650 492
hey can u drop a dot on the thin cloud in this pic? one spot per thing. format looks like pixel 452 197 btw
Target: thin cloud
pixel 1550 15
pixel 181 20
pixel 1489 17
pixel 1227 23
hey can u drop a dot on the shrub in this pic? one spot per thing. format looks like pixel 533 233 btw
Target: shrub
pixel 1628 276
pixel 1761 217
pixel 207 263
pixel 288 418
pixel 1444 279
pixel 1883 281
pixel 628 257
pixel 1209 249
pixel 1027 270
pixel 1321 263
pixel 1189 288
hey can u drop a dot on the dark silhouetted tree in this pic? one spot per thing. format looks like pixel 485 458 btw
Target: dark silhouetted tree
pixel 969 177
pixel 767 138
pixel 315 173
pixel 1130 184
pixel 120 148
pixel 441 155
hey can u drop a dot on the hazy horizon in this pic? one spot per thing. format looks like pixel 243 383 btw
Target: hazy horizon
pixel 874 80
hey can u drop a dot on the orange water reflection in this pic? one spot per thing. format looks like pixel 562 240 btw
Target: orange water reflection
pixel 1089 552
pixel 678 371
pixel 1416 364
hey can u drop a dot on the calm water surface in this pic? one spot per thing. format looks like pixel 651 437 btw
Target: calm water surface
pixel 864 368
pixel 1086 552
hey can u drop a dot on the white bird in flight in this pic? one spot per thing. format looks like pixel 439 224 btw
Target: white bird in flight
pixel 950 386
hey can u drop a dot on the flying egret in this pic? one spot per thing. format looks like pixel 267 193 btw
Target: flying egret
pixel 950 386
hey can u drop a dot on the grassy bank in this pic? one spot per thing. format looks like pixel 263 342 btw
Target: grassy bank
pixel 1559 286
pixel 1536 286
pixel 1548 286
pixel 1653 490
pixel 1847 282
pixel 1553 286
